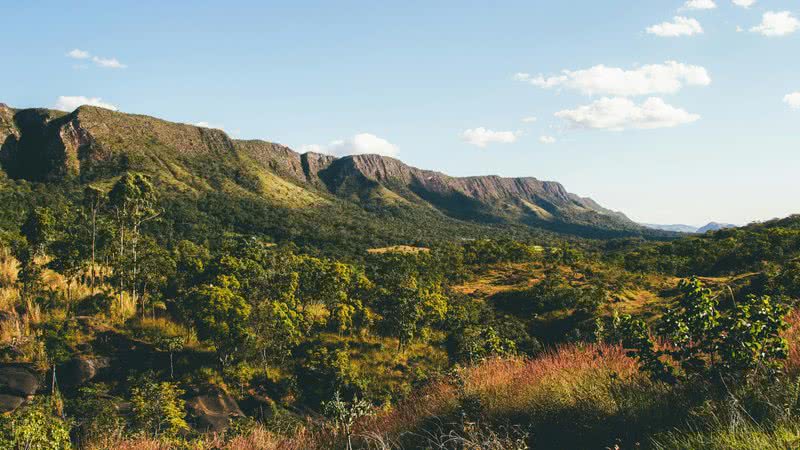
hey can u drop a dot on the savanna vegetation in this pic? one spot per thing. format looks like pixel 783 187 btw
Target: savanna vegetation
pixel 132 318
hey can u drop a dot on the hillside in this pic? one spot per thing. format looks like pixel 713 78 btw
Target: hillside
pixel 94 145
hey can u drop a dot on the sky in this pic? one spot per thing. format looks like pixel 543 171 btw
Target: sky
pixel 671 111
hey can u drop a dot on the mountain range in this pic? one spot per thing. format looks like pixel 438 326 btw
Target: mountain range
pixel 679 228
pixel 94 145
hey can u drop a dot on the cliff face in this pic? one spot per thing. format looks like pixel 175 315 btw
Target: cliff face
pixel 94 143
pixel 489 198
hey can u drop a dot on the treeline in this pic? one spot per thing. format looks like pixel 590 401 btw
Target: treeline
pixel 722 252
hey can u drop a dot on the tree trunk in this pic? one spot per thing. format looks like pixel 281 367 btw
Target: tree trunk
pixel 94 241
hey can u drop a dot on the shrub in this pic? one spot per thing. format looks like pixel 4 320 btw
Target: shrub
pixel 157 409
pixel 35 426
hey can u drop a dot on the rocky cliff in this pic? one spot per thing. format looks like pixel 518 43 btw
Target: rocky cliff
pixel 93 143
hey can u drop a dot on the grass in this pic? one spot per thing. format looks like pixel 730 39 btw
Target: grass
pixel 399 249
pixel 575 396
pixel 742 437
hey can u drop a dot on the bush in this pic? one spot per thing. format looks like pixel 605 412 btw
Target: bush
pixel 35 426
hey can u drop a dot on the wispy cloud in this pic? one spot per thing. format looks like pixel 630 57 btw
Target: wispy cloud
pixel 793 100
pixel 70 103
pixel 667 78
pixel 482 137
pixel 108 63
pixel 359 144
pixel 744 3
pixel 77 53
pixel 529 119
pixel 699 4
pixel 547 140
pixel 680 26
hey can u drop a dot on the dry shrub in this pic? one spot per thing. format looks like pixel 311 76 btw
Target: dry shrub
pixel 792 336
pixel 9 268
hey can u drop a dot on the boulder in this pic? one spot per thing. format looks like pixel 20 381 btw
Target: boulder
pixel 80 370
pixel 17 384
pixel 212 411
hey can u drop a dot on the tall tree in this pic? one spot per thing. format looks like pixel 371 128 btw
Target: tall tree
pixel 93 201
pixel 133 202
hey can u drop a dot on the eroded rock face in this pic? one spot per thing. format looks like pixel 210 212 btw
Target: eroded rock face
pixel 212 411
pixel 17 385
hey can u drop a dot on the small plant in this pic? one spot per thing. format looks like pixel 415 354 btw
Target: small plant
pixel 345 414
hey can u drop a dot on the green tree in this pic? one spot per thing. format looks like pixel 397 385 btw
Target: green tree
pixel 133 202
pixel 220 314
pixel 93 201
pixel 157 408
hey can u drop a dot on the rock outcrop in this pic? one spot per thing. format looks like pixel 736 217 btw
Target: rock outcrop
pixel 18 384
pixel 211 412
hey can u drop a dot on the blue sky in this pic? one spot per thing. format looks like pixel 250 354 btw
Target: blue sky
pixel 675 126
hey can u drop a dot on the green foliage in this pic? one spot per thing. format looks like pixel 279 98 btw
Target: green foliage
pixel 97 418
pixel 35 426
pixel 157 408
pixel 477 343
pixel 706 341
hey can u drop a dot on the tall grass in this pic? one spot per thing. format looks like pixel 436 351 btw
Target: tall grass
pixel 575 396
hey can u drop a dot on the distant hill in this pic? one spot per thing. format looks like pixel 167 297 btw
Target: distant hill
pixel 94 145
pixel 714 226
pixel 678 228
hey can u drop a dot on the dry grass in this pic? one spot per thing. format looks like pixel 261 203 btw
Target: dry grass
pixel 259 439
pixel 569 375
pixel 399 249
pixel 792 336
pixel 558 389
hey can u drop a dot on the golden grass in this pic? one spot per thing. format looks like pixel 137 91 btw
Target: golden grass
pixel 399 249
pixel 792 336
pixel 566 375
pixel 259 439
pixel 568 378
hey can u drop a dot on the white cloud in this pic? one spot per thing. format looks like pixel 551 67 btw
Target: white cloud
pixel 700 4
pixel 482 137
pixel 777 24
pixel 312 148
pixel 547 140
pixel 109 63
pixel 205 124
pixel 793 100
pixel 69 103
pixel 529 119
pixel 744 3
pixel 77 53
pixel 621 113
pixel 362 143
pixel 667 78
pixel 680 26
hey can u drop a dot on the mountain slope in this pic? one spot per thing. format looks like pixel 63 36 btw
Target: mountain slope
pixel 95 145
pixel 714 226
